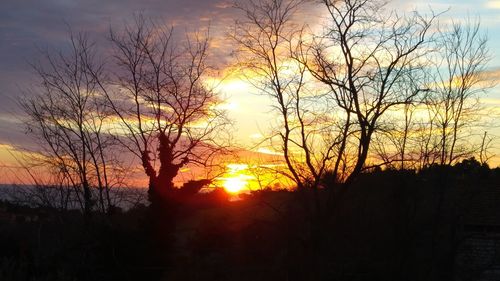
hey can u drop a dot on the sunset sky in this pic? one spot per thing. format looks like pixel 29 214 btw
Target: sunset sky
pixel 30 25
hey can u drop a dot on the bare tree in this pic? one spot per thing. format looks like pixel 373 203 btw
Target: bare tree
pixel 168 116
pixel 66 115
pixel 332 91
pixel 267 43
pixel 403 140
pixel 372 62
pixel 486 143
pixel 457 85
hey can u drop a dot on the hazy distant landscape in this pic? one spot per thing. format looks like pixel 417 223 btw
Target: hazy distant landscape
pixel 36 196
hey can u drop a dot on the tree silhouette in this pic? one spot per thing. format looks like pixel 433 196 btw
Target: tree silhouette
pixel 267 40
pixel 438 126
pixel 458 83
pixel 332 90
pixel 168 116
pixel 66 114
pixel 371 61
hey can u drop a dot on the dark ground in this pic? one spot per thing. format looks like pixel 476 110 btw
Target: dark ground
pixel 389 225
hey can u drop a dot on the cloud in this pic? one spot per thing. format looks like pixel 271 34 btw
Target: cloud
pixel 492 74
pixel 29 25
pixel 495 4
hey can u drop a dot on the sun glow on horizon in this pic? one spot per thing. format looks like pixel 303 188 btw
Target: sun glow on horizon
pixel 248 177
pixel 235 180
pixel 235 184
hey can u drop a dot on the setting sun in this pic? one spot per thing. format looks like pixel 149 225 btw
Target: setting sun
pixel 235 180
pixel 244 178
pixel 234 184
